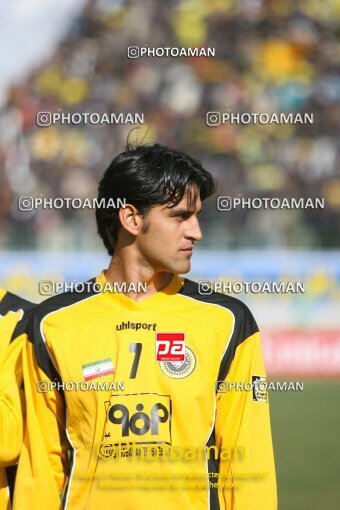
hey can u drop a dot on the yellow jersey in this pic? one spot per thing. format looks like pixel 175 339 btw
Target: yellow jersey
pixel 133 405
pixel 13 315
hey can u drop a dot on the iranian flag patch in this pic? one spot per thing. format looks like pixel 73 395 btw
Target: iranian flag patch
pixel 97 369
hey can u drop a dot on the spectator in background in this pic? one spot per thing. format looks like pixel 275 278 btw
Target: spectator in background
pixel 269 58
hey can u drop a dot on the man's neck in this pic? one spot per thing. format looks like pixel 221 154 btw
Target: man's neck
pixel 134 276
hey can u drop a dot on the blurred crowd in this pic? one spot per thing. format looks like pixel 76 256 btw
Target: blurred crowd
pixel 271 56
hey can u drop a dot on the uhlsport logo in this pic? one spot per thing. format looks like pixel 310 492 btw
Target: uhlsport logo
pixel 179 369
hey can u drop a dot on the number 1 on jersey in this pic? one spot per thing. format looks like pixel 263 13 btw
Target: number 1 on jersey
pixel 137 349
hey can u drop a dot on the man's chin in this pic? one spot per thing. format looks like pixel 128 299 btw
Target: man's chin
pixel 182 268
pixel 178 267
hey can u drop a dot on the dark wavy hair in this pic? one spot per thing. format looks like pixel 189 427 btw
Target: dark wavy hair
pixel 147 176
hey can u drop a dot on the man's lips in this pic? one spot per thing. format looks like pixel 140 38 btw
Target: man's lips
pixel 188 250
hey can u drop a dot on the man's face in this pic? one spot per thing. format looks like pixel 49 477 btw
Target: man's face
pixel 168 235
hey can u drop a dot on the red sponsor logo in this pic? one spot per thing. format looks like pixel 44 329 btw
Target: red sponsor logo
pixel 170 347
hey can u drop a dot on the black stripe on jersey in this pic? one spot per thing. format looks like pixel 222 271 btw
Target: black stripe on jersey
pixel 244 327
pixel 11 473
pixel 67 488
pixel 213 467
pixel 13 303
pixel 34 331
pixel 21 326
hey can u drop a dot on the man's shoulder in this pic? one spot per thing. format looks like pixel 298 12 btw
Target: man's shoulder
pixel 61 302
pixel 202 293
pixel 12 303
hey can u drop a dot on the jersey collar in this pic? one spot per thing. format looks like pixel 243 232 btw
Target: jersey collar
pixel 156 300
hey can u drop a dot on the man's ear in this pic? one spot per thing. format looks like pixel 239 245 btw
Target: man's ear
pixel 131 219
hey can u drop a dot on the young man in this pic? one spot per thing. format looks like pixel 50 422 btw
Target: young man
pixel 159 432
pixel 13 315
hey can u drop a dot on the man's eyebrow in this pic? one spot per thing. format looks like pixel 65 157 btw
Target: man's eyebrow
pixel 174 211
